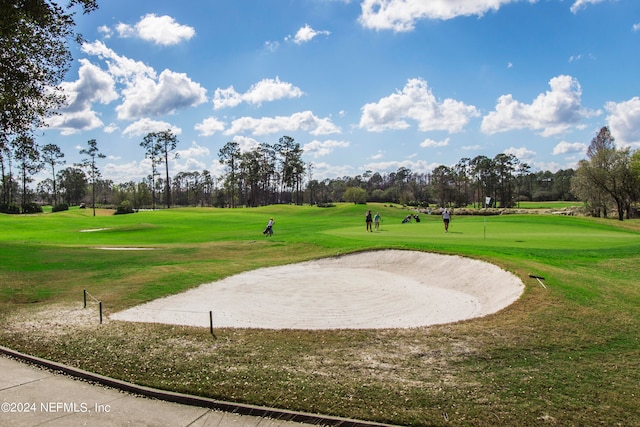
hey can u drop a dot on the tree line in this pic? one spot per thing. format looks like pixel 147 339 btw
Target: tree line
pixel 608 180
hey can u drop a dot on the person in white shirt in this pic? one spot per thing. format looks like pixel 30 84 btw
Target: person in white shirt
pixel 446 217
pixel 268 231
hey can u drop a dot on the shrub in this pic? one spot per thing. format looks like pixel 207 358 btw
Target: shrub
pixel 356 195
pixel 124 208
pixel 30 208
pixel 9 208
pixel 60 207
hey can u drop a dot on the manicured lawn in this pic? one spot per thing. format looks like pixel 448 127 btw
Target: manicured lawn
pixel 565 355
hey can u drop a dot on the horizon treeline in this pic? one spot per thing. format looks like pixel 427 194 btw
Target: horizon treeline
pixel 270 174
pixel 607 180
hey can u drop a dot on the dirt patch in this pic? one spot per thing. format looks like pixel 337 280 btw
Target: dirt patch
pixel 56 319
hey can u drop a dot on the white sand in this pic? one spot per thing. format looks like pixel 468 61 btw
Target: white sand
pixel 378 289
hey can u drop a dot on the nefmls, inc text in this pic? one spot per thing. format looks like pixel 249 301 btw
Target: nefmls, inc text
pixel 73 407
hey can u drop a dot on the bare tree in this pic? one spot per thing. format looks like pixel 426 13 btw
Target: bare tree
pixel 5 156
pixel 291 165
pixel 158 146
pixel 229 155
pixel 504 167
pixel 152 152
pixel 28 157
pixel 51 155
pixel 89 163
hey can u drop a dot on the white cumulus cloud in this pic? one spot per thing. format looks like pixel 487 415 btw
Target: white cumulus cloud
pixel 73 122
pixel 302 121
pixel 323 170
pixel 146 125
pixel 306 34
pixel 401 15
pixel 124 172
pixel 162 30
pixel 551 113
pixel 209 126
pixel 565 147
pixel 245 143
pixel 170 92
pixel 428 143
pixel 93 85
pixel 266 90
pixel 581 4
pixel 522 153
pixel 145 93
pixel 194 151
pixel 110 128
pixel 322 148
pixel 121 68
pixel 624 121
pixel 416 102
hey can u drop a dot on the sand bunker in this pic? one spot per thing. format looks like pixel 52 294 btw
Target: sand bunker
pixel 379 289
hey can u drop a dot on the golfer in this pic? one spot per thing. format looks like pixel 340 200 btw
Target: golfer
pixel 268 231
pixel 369 220
pixel 446 217
pixel 376 221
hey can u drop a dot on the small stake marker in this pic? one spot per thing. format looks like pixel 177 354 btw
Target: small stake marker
pixel 211 324
pixel 538 279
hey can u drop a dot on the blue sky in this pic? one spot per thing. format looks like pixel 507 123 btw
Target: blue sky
pixel 360 85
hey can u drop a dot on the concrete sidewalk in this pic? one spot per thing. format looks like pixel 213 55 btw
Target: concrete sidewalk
pixel 33 396
pixel 38 393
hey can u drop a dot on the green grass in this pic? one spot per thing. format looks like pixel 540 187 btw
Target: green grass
pixel 565 355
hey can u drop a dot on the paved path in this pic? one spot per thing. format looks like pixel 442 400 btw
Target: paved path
pixel 31 395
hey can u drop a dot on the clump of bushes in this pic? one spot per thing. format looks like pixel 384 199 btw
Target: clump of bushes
pixel 9 208
pixel 60 207
pixel 325 205
pixel 124 208
pixel 31 208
